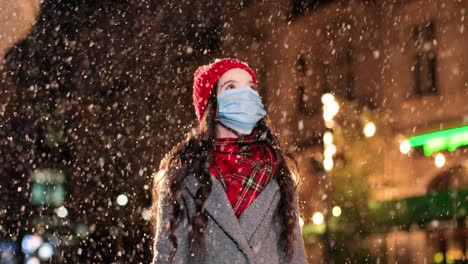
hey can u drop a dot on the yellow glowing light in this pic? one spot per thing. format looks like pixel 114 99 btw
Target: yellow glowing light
pixel 327 98
pixel 330 150
pixel 330 110
pixel 336 211
pixel 439 160
pixel 438 257
pixel 327 116
pixel 330 123
pixel 317 218
pixel 405 147
pixel 328 138
pixel 334 108
pixel 369 129
pixel 328 164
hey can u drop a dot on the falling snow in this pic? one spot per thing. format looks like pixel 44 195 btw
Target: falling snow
pixel 94 93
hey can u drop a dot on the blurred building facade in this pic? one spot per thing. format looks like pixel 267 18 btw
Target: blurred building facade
pixel 404 60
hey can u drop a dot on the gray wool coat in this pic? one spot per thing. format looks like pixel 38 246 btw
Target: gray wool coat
pixel 253 238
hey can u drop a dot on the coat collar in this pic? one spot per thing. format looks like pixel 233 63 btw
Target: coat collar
pixel 241 231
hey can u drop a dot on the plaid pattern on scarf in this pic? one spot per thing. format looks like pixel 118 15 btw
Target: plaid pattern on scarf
pixel 244 167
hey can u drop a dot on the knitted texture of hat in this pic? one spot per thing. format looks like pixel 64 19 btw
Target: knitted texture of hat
pixel 206 76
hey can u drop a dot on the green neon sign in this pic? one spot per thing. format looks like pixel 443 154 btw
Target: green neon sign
pixel 449 139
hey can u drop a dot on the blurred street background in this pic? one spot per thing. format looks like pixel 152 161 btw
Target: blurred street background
pixel 370 96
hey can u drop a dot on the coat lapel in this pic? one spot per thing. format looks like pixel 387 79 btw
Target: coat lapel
pixel 260 211
pixel 218 207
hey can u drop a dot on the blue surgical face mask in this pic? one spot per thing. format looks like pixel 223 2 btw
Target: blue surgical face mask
pixel 240 109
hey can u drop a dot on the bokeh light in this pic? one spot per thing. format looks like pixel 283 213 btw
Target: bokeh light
pixel 317 218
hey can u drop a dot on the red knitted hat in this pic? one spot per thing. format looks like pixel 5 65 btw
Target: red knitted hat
pixel 206 76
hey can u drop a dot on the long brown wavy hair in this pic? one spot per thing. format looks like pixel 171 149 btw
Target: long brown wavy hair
pixel 194 155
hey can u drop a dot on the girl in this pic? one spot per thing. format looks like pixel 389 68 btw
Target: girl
pixel 227 194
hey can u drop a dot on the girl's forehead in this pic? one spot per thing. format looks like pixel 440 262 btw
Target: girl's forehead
pixel 236 74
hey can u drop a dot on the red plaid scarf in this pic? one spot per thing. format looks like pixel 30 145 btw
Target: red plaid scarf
pixel 244 167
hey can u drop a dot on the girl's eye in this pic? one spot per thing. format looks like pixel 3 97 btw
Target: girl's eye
pixel 230 86
pixel 253 87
